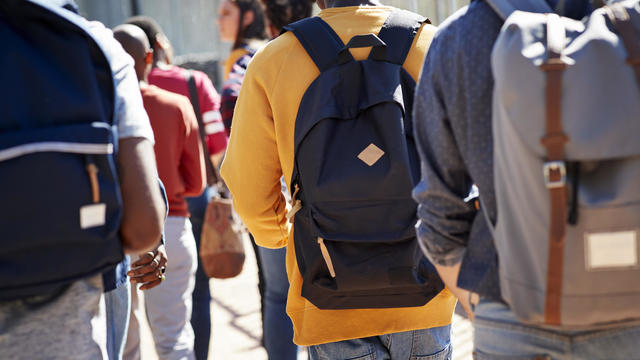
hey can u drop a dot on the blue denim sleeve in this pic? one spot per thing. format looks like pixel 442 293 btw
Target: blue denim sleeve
pixel 166 204
pixel 444 218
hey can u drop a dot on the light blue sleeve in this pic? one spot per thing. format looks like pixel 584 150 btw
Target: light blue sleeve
pixel 130 115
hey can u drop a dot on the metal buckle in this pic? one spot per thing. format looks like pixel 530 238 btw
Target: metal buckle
pixel 550 166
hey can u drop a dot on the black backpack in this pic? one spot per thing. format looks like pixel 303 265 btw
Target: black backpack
pixel 58 183
pixel 355 167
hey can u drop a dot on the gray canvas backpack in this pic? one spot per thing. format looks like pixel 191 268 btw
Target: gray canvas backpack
pixel 566 129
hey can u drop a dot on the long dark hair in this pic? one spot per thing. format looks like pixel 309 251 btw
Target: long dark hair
pixel 257 29
pixel 284 12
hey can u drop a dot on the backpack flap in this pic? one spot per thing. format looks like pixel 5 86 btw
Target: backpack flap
pixel 579 249
pixel 600 95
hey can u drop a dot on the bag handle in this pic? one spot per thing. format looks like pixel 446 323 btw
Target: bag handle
pixel 361 41
pixel 619 17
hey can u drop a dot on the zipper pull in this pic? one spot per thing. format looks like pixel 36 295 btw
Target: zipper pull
pixel 92 170
pixel 327 258
pixel 296 204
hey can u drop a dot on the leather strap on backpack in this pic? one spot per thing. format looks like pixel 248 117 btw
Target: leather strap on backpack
pixel 620 19
pixel 554 168
pixel 212 173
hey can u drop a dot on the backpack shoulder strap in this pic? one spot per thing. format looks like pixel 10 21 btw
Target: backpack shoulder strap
pixel 619 17
pixel 319 40
pixel 504 8
pixel 398 32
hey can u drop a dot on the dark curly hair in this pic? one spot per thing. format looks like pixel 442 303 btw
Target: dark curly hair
pixel 284 12
pixel 257 29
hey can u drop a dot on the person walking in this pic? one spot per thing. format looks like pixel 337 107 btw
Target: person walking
pixel 454 121
pixel 273 284
pixel 168 76
pixel 242 23
pixel 47 319
pixel 348 296
pixel 180 162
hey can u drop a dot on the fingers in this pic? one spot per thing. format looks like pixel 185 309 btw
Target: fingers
pixel 143 270
pixel 148 277
pixel 144 259
pixel 467 308
pixel 148 266
pixel 151 285
pixel 149 269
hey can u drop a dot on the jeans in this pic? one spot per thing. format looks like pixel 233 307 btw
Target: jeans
pixel 277 328
pixel 69 325
pixel 427 344
pixel 499 335
pixel 118 306
pixel 201 316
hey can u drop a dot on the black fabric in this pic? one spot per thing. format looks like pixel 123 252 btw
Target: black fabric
pixel 57 87
pixel 398 33
pixel 363 212
pixel 360 41
pixel 319 41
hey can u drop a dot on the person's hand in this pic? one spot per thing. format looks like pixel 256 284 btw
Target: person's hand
pixel 149 270
pixel 449 275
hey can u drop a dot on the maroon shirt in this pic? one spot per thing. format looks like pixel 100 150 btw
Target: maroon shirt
pixel 179 155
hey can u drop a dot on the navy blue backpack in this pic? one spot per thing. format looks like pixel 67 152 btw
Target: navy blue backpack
pixel 355 167
pixel 58 184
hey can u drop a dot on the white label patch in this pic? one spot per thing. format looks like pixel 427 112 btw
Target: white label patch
pixel 93 215
pixel 612 250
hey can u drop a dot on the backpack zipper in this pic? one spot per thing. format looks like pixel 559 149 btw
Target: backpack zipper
pixel 326 257
pixel 92 170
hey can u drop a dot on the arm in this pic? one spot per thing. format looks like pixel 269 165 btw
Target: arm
pixel 142 205
pixel 251 168
pixel 192 168
pixel 444 217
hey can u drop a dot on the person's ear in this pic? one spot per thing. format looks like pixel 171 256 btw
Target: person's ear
pixel 247 18
pixel 148 57
pixel 321 4
pixel 162 42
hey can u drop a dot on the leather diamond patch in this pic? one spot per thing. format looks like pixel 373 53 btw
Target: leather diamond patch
pixel 371 154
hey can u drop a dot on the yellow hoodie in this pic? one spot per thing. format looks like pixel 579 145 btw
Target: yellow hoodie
pixel 261 151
